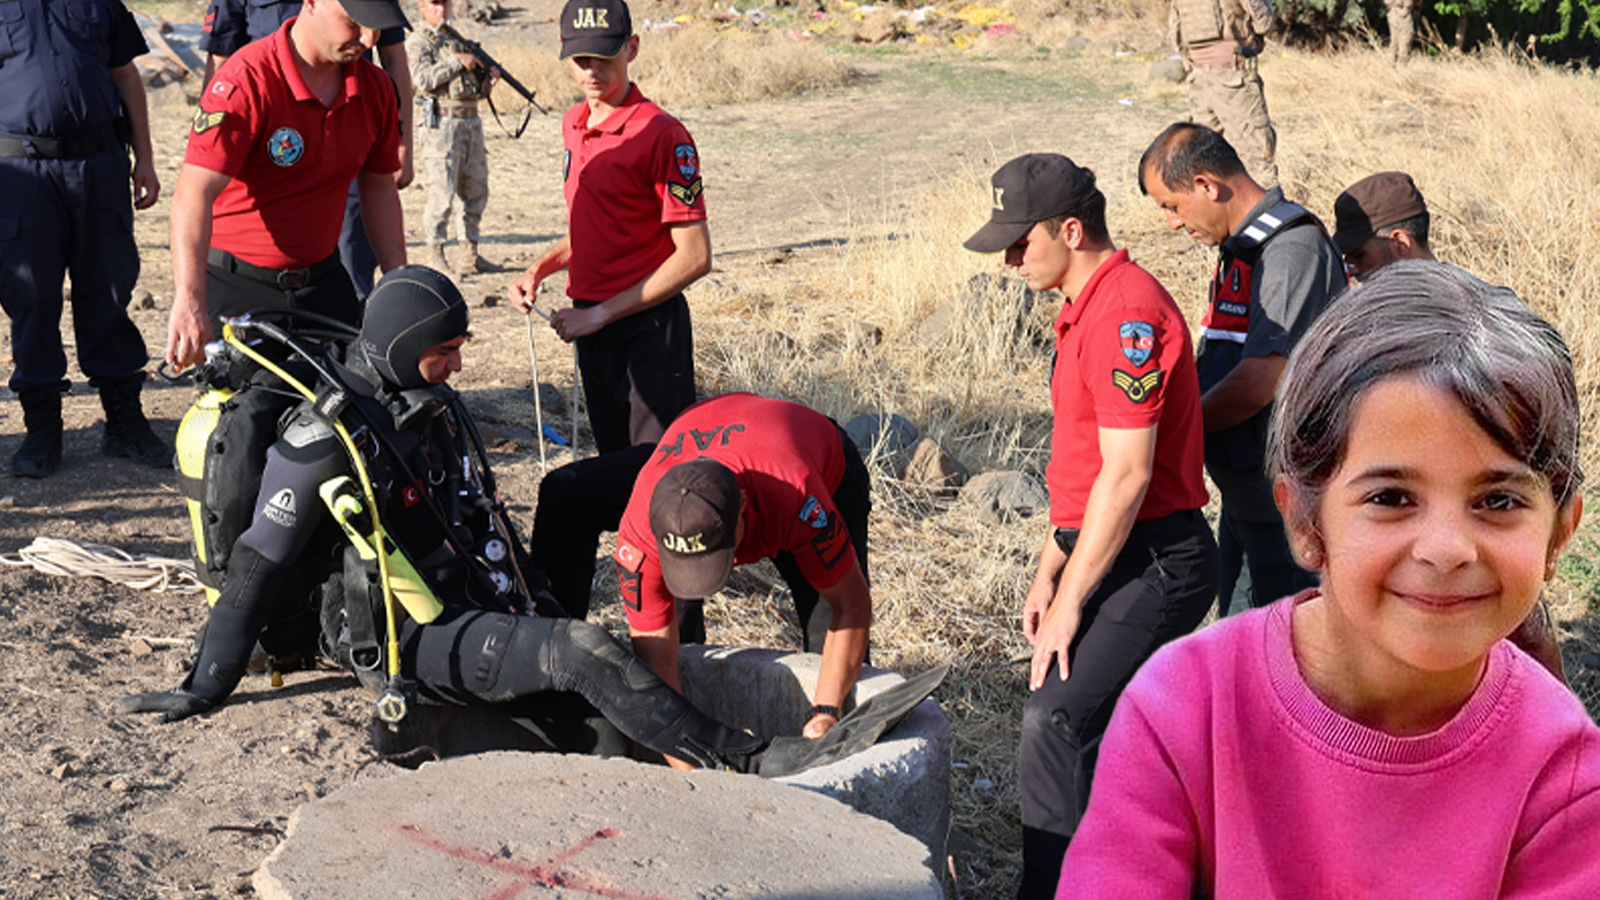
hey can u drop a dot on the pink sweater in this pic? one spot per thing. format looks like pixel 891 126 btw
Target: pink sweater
pixel 1223 775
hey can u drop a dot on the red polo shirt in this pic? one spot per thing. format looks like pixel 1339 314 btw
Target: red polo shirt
pixel 625 181
pixel 788 459
pixel 1124 359
pixel 290 157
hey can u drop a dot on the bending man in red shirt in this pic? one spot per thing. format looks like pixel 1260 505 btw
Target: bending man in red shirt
pixel 1130 562
pixel 740 478
pixel 636 236
pixel 281 130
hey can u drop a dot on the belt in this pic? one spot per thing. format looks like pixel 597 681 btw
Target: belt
pixel 35 147
pixel 284 279
pixel 459 112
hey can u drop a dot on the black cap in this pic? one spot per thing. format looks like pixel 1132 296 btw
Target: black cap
pixel 412 310
pixel 379 14
pixel 595 28
pixel 694 514
pixel 1029 190
pixel 1372 204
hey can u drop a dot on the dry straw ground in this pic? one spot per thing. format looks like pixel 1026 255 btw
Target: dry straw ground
pixel 1508 154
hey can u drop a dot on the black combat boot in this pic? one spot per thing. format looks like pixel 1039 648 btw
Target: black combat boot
pixel 127 432
pixel 40 453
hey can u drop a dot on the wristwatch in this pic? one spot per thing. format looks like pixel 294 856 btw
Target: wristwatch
pixel 821 710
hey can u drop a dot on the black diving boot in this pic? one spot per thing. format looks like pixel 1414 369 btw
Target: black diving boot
pixel 127 431
pixel 40 453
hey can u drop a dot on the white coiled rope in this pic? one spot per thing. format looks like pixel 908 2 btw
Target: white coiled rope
pixel 142 571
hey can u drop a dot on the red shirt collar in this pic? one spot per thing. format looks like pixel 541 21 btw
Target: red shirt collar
pixel 1072 310
pixel 297 82
pixel 619 117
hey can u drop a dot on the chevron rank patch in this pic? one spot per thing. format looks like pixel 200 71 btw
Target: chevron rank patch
pixel 1138 388
pixel 204 121
pixel 687 194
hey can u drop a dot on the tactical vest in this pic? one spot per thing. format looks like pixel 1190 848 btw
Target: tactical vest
pixel 1202 21
pixel 1226 326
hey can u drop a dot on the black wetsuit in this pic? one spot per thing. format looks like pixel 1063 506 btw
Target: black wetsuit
pixel 435 500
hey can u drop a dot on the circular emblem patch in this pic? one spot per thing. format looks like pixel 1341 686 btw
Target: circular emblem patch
pixel 286 146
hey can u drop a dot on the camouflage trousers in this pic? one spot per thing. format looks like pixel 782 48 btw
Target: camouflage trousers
pixel 1230 101
pixel 1402 27
pixel 456 164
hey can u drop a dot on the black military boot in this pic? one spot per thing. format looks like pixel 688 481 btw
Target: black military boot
pixel 127 432
pixel 40 453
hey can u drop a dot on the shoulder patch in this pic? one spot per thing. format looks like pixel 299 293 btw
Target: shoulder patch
pixel 688 161
pixel 1138 388
pixel 223 89
pixel 1138 339
pixel 628 557
pixel 204 121
pixel 812 513
pixel 687 194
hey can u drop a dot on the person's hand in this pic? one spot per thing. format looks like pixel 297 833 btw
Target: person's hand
pixel 468 61
pixel 174 705
pixel 525 290
pixel 573 323
pixel 1040 595
pixel 146 187
pixel 492 80
pixel 819 725
pixel 1051 640
pixel 188 332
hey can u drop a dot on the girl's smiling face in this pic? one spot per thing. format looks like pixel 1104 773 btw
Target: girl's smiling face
pixel 1433 542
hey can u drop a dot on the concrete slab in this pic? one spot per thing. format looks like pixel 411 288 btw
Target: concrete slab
pixel 903 779
pixel 512 825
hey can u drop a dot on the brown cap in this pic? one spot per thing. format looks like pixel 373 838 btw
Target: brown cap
pixel 1029 190
pixel 1373 203
pixel 694 514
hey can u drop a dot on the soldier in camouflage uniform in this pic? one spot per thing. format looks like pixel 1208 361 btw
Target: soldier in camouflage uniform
pixel 1219 41
pixel 450 134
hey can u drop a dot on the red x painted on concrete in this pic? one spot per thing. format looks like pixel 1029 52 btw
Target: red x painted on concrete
pixel 548 875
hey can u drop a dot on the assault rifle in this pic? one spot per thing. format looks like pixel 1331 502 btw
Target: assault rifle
pixel 485 63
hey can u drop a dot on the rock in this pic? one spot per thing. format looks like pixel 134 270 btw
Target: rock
pixel 140 647
pixel 863 332
pixel 932 468
pixel 889 434
pixel 63 772
pixel 999 306
pixel 490 301
pixel 1168 70
pixel 142 299
pixel 1006 496
pixel 880 27
pixel 1076 44
pixel 8 502
pixel 119 785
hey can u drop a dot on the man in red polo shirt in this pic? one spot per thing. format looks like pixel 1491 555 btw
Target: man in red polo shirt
pixel 741 478
pixel 1130 563
pixel 636 236
pixel 281 130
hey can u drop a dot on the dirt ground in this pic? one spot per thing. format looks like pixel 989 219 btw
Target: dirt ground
pixel 94 806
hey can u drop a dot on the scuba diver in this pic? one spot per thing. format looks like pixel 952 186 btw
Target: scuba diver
pixel 377 531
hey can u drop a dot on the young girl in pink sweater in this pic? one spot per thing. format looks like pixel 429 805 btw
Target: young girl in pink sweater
pixel 1377 737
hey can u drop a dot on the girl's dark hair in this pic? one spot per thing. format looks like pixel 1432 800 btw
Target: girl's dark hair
pixel 1432 321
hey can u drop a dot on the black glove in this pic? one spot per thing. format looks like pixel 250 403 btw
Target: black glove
pixel 173 705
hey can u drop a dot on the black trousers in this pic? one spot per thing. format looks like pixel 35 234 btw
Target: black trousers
pixel 638 374
pixel 581 500
pixel 233 294
pixel 1159 588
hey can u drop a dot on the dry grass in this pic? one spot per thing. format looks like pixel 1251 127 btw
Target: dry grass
pixel 688 65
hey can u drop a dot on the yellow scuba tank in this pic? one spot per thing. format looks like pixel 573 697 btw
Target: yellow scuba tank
pixel 344 500
pixel 194 439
